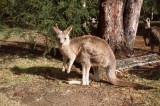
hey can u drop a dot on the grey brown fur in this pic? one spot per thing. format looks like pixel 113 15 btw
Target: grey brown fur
pixel 151 34
pixel 90 51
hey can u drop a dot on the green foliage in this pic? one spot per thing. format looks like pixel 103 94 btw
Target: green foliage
pixel 42 14
pixel 151 6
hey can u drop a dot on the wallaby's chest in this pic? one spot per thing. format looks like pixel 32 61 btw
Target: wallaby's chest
pixel 67 52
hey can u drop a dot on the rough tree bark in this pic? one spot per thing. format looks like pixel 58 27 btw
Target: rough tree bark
pixel 131 20
pixel 118 22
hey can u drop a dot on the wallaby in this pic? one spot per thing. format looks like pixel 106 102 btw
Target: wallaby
pixel 151 35
pixel 90 51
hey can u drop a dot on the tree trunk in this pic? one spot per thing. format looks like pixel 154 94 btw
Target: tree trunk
pixel 110 26
pixel 118 22
pixel 131 20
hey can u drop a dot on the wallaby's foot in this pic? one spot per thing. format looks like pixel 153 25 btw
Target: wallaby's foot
pixel 77 82
pixel 85 84
pixel 74 82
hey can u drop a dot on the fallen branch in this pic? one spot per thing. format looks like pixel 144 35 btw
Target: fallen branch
pixel 137 61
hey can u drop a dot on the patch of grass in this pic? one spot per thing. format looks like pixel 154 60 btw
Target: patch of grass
pixel 18 70
pixel 5 101
pixel 6 33
pixel 20 74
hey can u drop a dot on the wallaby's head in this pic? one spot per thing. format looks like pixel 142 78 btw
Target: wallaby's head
pixel 63 36
pixel 147 22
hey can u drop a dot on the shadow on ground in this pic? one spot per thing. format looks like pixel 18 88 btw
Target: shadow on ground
pixel 19 49
pixel 151 73
pixel 141 52
pixel 46 72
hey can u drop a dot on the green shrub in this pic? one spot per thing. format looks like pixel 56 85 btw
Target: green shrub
pixel 42 14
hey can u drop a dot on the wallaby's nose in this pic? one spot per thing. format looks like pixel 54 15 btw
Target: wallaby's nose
pixel 60 44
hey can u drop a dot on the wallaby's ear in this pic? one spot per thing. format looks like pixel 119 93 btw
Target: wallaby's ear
pixel 58 31
pixel 68 30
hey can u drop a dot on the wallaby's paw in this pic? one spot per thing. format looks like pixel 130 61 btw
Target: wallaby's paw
pixel 63 69
pixel 68 71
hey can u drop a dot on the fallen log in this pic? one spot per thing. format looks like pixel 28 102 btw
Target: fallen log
pixel 138 61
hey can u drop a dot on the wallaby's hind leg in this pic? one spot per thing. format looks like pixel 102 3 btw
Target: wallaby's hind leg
pixel 111 75
pixel 145 40
pixel 96 74
pixel 85 74
pixel 152 48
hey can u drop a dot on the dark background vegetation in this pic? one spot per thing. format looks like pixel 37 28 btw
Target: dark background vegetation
pixel 42 14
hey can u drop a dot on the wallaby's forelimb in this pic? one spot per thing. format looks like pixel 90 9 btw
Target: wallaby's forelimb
pixel 64 64
pixel 71 61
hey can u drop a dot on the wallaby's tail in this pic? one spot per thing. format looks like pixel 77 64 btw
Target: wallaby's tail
pixel 130 84
pixel 115 81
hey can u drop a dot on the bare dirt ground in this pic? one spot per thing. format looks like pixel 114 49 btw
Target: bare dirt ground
pixel 27 78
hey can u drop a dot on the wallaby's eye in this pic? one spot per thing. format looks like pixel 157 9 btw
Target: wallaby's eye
pixel 58 39
pixel 65 38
